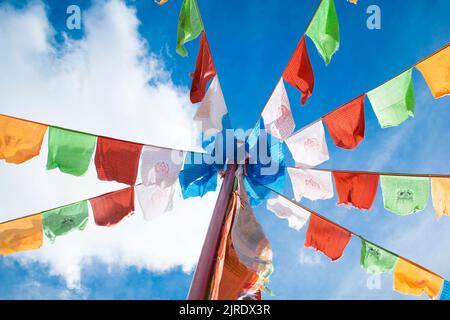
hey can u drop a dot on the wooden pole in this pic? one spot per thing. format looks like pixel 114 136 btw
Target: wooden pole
pixel 202 276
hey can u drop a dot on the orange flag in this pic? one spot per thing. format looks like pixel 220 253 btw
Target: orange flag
pixel 20 140
pixel 21 234
pixel 436 71
pixel 411 279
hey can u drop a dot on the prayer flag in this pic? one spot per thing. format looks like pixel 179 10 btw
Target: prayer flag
pixel 324 30
pixel 404 195
pixel 413 280
pixel 393 102
pixel 161 2
pixel 277 113
pixel 69 151
pixel 445 294
pixel 117 160
pixel 58 222
pixel 155 200
pixel 436 71
pixel 326 237
pixel 440 193
pixel 284 209
pixel 308 146
pixel 160 167
pixel 109 209
pixel 21 234
pixel 190 25
pixel 346 124
pixel 212 108
pixel 311 184
pixel 376 260
pixel 356 189
pixel 299 72
pixel 204 71
pixel 20 140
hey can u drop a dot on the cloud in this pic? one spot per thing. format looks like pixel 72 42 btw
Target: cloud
pixel 108 82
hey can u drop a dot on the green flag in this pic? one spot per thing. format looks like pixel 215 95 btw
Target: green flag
pixel 69 151
pixel 375 259
pixel 190 25
pixel 324 30
pixel 61 221
pixel 404 195
pixel 393 102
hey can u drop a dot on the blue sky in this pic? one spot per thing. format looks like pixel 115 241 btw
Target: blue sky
pixel 251 42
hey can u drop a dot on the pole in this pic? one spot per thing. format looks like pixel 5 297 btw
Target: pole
pixel 202 276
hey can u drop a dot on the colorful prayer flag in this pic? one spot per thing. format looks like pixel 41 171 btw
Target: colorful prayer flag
pixel 155 200
pixel 277 115
pixel 393 102
pixel 436 71
pixel 21 234
pixel 20 140
pixel 117 160
pixel 284 209
pixel 356 189
pixel 308 146
pixel 160 167
pixel 299 72
pixel 204 71
pixel 212 108
pixel 60 221
pixel 404 195
pixel 346 124
pixel 413 280
pixel 376 260
pixel 326 237
pixel 311 184
pixel 109 209
pixel 69 151
pixel 445 294
pixel 440 194
pixel 324 30
pixel 190 25
pixel 161 2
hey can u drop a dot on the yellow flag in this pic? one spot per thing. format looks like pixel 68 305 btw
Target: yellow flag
pixel 440 192
pixel 411 279
pixel 21 234
pixel 436 71
pixel 20 140
pixel 161 2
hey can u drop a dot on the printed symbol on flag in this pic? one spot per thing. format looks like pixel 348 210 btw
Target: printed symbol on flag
pixel 405 195
pixel 162 169
pixel 284 124
pixel 312 184
pixel 311 144
pixel 67 221
pixel 374 252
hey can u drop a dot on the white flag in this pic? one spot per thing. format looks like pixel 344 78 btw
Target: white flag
pixel 277 113
pixel 212 108
pixel 154 200
pixel 160 167
pixel 308 146
pixel 311 184
pixel 285 209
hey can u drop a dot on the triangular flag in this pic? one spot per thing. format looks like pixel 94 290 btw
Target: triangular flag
pixel 20 140
pixel 436 71
pixel 117 160
pixel 109 209
pixel 190 25
pixel 277 113
pixel 346 124
pixel 324 30
pixel 375 259
pixel 308 146
pixel 356 189
pixel 58 222
pixel 440 193
pixel 21 234
pixel 161 167
pixel 299 72
pixel 311 184
pixel 212 108
pixel 155 200
pixel 285 209
pixel 69 151
pixel 204 71
pixel 393 102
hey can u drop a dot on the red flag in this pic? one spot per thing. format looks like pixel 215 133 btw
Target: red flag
pixel 326 237
pixel 357 189
pixel 112 207
pixel 299 72
pixel 117 160
pixel 204 71
pixel 346 124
